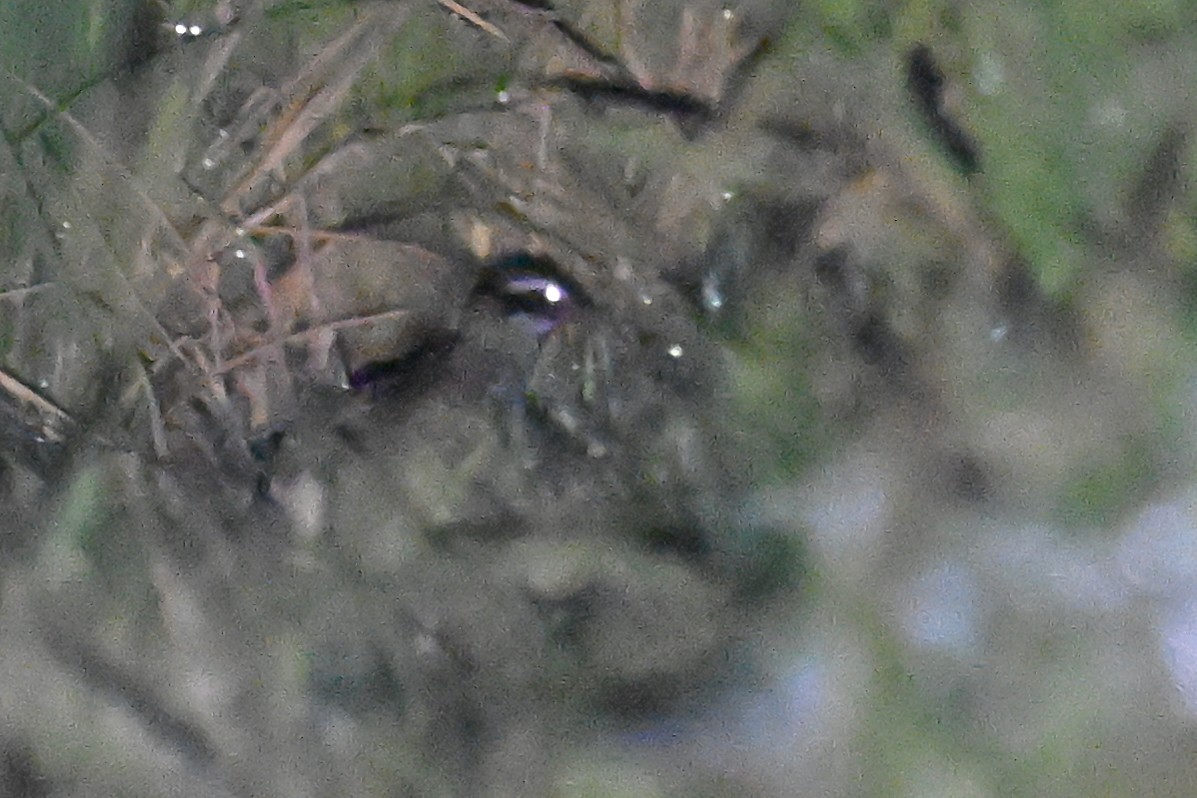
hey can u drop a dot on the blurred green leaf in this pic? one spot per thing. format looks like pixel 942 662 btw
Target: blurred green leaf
pixel 1099 492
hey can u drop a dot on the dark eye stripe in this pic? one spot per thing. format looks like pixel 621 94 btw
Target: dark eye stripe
pixel 409 370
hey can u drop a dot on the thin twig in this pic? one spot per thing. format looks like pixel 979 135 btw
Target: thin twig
pixel 18 294
pixel 465 13
pixel 318 236
pixel 304 335
pixel 314 99
pixel 157 426
pixel 48 421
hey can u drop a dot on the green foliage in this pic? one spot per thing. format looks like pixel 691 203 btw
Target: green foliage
pixel 1057 98
pixel 1100 491
pixel 774 379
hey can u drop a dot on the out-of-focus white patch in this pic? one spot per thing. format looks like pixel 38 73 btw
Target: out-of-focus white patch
pixel 339 731
pixel 1109 113
pixel 1039 566
pixel 847 509
pixel 1178 638
pixel 940 608
pixel 1158 553
pixel 990 75
pixel 807 714
pixel 766 722
pixel 1158 560
pixel 788 710
pixel 939 776
pixel 305 503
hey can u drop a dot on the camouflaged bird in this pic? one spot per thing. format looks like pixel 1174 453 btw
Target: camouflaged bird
pixel 431 471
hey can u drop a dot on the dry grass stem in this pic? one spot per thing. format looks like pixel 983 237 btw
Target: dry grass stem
pixel 306 335
pixel 315 94
pixel 465 13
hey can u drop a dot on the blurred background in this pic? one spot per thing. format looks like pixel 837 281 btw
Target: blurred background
pixel 597 399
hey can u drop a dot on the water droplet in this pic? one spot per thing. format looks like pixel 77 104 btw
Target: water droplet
pixel 713 297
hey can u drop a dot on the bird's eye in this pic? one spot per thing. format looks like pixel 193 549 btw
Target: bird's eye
pixel 532 287
pixel 530 293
